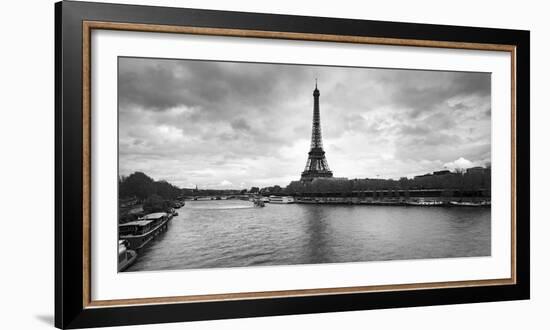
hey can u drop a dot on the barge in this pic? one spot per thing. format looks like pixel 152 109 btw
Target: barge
pixel 140 232
pixel 126 257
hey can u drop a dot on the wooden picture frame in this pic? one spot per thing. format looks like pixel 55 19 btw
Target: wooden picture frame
pixel 74 307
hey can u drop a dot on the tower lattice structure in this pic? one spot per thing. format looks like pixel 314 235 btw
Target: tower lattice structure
pixel 316 166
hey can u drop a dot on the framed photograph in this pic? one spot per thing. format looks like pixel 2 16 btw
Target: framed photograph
pixel 214 164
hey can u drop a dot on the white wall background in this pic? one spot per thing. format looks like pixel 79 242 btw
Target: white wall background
pixel 27 169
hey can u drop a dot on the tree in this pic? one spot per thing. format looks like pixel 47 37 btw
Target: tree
pixel 155 203
pixel 166 190
pixel 136 184
pixel 141 186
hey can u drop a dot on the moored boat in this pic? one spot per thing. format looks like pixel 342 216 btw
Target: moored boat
pixel 423 202
pixel 471 204
pixel 172 213
pixel 178 204
pixel 126 257
pixel 281 199
pixel 140 232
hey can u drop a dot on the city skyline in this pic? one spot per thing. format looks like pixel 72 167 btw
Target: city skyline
pixel 226 125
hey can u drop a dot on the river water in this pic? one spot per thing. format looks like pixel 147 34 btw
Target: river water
pixel 231 233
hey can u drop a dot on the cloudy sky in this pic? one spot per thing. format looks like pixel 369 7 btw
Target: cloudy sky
pixel 237 125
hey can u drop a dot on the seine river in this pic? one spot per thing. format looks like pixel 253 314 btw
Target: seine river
pixel 232 233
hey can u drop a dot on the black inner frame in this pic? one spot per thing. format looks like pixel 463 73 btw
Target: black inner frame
pixel 69 307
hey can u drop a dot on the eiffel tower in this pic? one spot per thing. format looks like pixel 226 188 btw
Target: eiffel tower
pixel 316 166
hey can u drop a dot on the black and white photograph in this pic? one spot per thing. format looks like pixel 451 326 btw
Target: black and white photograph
pixel 232 164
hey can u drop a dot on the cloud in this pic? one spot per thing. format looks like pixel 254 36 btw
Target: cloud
pixel 244 124
pixel 240 124
pixel 459 164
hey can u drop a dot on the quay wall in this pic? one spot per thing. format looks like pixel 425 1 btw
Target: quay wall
pixel 386 200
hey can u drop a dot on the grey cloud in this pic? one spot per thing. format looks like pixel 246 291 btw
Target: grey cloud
pixel 423 91
pixel 161 84
pixel 414 130
pixel 240 124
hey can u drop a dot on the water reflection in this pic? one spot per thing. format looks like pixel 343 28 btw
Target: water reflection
pixel 317 248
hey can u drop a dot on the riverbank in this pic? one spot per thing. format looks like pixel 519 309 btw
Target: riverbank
pixel 442 202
